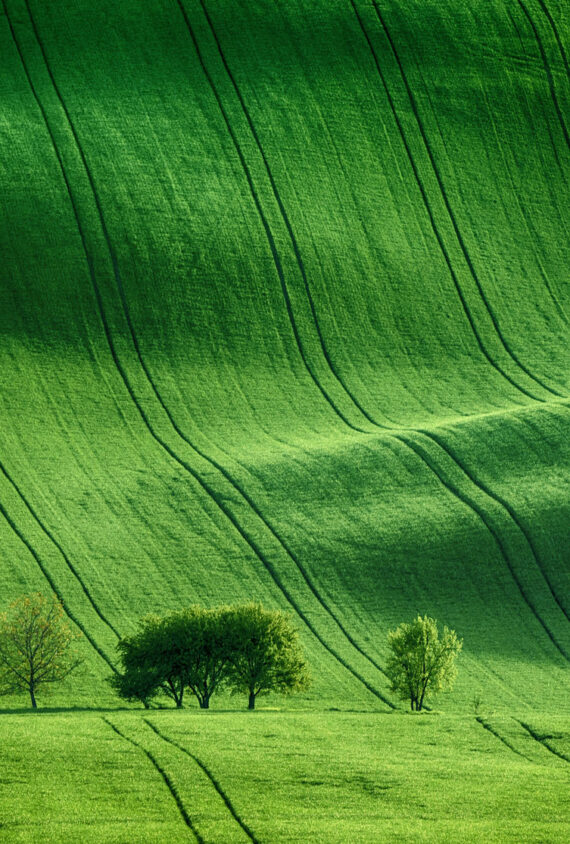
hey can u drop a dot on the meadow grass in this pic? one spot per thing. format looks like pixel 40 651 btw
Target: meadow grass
pixel 280 776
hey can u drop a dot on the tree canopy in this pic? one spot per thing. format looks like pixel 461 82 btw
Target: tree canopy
pixel 36 645
pixel 265 655
pixel 185 649
pixel 245 648
pixel 421 663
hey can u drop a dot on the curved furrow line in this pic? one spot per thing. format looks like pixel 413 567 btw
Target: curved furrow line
pixel 493 732
pixel 453 220
pixel 70 614
pixel 392 431
pixel 480 512
pixel 218 499
pixel 296 249
pixel 2 468
pixel 343 385
pixel 231 517
pixel 524 213
pixel 74 207
pixel 553 141
pixel 434 226
pixel 548 71
pixel 167 781
pixel 543 742
pixel 55 542
pixel 554 29
pixel 269 567
pixel 283 213
pixel 506 506
pixel 212 779
pixel 263 218
pixel 483 488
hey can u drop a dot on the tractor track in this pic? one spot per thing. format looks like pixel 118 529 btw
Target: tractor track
pixel 68 611
pixel 543 742
pixel 167 780
pixel 490 729
pixel 211 777
pixel 218 500
pixel 453 220
pixel 547 68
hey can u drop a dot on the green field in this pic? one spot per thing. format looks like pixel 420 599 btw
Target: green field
pixel 326 777
pixel 284 316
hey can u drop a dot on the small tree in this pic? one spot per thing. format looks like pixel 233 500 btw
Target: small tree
pixel 421 664
pixel 36 645
pixel 264 652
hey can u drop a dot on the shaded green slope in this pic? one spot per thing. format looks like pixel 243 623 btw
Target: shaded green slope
pixel 285 315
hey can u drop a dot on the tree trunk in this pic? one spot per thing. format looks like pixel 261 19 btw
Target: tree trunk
pixel 33 699
pixel 251 704
pixel 205 703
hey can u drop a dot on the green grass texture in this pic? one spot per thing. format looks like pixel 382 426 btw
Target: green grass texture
pixel 284 316
pixel 328 777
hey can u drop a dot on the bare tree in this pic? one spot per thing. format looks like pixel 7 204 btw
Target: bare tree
pixel 36 645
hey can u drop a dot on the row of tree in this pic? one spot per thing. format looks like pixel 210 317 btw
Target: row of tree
pixel 244 648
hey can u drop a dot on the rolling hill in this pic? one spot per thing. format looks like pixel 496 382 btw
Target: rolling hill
pixel 284 315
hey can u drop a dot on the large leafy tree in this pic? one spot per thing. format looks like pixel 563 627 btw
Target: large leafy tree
pixel 421 663
pixel 185 649
pixel 151 663
pixel 264 652
pixel 36 645
pixel 209 645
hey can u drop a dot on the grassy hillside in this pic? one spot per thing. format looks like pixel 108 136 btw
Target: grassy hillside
pixel 284 315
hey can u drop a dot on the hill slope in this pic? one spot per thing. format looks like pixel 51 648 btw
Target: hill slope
pixel 284 315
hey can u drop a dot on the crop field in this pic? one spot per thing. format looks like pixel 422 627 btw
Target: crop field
pixel 284 316
pixel 326 777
